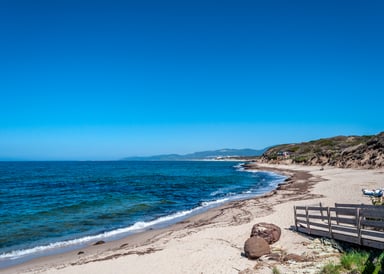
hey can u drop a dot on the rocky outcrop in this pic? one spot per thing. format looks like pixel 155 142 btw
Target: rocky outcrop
pixel 269 232
pixel 342 151
pixel 318 253
pixel 255 247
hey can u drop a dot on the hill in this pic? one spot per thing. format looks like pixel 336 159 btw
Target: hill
pixel 202 155
pixel 340 151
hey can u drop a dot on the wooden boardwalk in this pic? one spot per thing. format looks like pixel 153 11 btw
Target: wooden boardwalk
pixel 357 224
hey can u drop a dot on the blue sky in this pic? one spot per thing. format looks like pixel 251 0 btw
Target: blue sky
pixel 101 80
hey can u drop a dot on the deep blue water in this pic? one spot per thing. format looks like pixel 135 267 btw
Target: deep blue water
pixel 47 206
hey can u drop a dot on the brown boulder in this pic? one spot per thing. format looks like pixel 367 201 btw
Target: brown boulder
pixel 269 232
pixel 255 247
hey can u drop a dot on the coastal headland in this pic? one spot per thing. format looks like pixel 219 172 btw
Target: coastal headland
pixel 213 242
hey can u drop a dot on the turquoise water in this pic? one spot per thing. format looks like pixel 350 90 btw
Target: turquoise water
pixel 48 206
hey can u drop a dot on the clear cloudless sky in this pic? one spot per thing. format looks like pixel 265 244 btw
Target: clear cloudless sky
pixel 101 80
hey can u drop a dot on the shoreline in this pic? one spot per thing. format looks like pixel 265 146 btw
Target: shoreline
pixel 138 228
pixel 228 226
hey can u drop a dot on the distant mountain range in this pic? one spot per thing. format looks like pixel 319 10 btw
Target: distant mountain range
pixel 202 155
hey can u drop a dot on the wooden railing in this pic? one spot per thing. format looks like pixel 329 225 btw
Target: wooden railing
pixel 358 224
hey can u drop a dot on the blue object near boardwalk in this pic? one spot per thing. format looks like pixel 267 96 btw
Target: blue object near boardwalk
pixel 373 193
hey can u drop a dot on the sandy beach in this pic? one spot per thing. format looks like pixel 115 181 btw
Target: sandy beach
pixel 213 242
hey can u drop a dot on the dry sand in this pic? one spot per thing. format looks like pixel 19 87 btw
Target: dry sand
pixel 213 242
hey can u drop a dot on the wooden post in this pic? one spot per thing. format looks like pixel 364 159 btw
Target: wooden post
pixel 337 216
pixel 358 224
pixel 307 217
pixel 321 212
pixel 294 212
pixel 329 223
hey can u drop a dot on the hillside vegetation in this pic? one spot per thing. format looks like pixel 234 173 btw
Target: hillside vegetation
pixel 340 151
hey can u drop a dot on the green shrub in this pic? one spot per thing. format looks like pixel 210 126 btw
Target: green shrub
pixel 331 269
pixel 357 262
pixel 301 159
pixel 275 270
pixel 354 260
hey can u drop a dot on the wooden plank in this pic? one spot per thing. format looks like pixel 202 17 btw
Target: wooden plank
pixel 354 205
pixel 321 211
pixel 350 217
pixel 346 211
pixel 321 233
pixel 371 243
pixel 329 223
pixel 372 223
pixel 352 230
pixel 306 213
pixel 346 238
pixel 372 233
pixel 302 229
pixel 372 213
pixel 333 218
pixel 314 224
pixel 347 221
pixel 316 208
pixel 316 217
pixel 358 220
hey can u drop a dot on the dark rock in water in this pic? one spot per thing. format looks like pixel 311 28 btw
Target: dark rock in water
pixel 269 232
pixel 99 243
pixel 255 247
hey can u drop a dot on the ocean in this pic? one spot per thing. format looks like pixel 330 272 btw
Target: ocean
pixel 52 207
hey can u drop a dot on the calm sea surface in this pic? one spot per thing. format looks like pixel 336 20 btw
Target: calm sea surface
pixel 50 207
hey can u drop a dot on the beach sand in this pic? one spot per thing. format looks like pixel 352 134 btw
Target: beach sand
pixel 213 242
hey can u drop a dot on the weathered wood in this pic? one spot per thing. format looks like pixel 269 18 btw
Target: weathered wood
pixel 354 205
pixel 308 226
pixel 372 223
pixel 321 211
pixel 318 232
pixel 358 221
pixel 329 223
pixel 373 213
pixel 314 224
pixel 302 229
pixel 371 233
pixel 348 221
pixel 317 208
pixel 346 238
pixel 346 211
pixel 374 244
pixel 354 223
pixel 317 217
pixel 298 215
pixel 344 229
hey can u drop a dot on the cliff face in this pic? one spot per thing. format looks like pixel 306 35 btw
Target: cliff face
pixel 341 151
